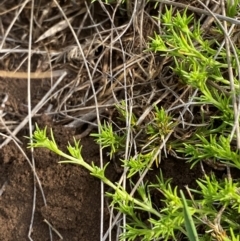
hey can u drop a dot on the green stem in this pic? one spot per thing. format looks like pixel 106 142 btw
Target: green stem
pixel 123 194
pixel 75 161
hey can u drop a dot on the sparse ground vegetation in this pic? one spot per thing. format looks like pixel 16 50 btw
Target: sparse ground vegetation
pixel 156 85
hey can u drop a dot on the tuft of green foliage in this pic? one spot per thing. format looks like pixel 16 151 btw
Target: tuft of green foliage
pixel 196 66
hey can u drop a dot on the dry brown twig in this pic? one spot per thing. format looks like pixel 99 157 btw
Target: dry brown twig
pixel 36 75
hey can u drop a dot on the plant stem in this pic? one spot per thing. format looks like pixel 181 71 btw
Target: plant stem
pixel 123 194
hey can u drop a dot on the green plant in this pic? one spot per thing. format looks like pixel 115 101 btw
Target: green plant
pixel 232 7
pixel 168 221
pixel 196 66
pixel 160 126
pixel 109 138
pixel 40 139
pixel 189 224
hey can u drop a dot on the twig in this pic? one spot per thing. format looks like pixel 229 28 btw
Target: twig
pixel 2 189
pixel 33 75
pixel 96 104
pixel 53 229
pixel 30 123
pixel 201 11
pixel 12 23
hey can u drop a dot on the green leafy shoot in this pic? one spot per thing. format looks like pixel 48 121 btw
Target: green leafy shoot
pixel 109 138
pixel 189 224
pixel 232 8
pixel 216 148
pixel 161 126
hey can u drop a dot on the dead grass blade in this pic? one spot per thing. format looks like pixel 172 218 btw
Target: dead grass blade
pixel 13 22
pixel 59 26
pixel 36 75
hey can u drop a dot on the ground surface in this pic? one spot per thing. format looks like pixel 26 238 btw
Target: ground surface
pixel 73 196
pixel 118 65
